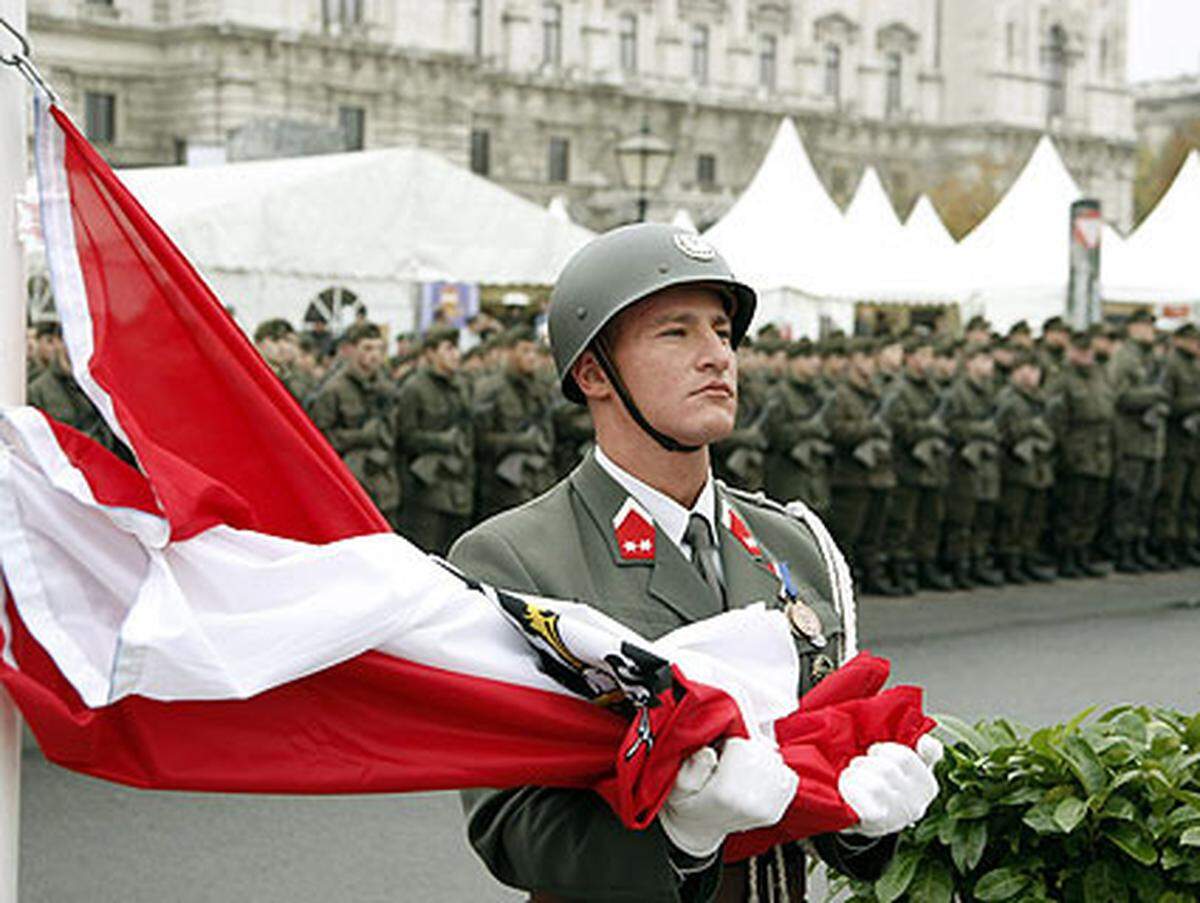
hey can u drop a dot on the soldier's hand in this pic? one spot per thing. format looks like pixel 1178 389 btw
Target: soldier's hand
pixel 747 786
pixel 890 787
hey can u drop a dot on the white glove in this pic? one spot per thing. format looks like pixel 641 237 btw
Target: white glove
pixel 747 786
pixel 890 787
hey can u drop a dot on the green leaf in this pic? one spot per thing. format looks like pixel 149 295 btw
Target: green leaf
pixel 968 845
pixel 1041 819
pixel 1083 716
pixel 955 730
pixel 899 875
pixel 1103 883
pixel 966 806
pixel 1120 808
pixel 1069 813
pixel 1190 838
pixel 1085 764
pixel 1132 840
pixel 1022 796
pixel 933 883
pixel 1001 884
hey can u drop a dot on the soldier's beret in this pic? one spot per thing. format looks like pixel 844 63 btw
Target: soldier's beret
pixel 861 345
pixel 1142 315
pixel 1021 327
pixel 1081 340
pixel 834 346
pixel 770 343
pixel 974 349
pixel 1187 331
pixel 978 322
pixel 1025 359
pixel 801 348
pixel 1054 324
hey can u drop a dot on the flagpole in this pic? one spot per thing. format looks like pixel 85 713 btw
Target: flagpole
pixel 13 101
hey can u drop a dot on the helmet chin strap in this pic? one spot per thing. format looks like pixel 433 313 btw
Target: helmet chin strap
pixel 610 370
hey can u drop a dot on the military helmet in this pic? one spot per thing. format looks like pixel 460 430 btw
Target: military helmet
pixel 622 267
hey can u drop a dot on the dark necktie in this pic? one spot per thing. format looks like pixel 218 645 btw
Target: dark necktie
pixel 704 555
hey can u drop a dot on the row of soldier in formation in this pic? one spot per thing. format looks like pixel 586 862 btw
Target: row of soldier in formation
pixel 937 462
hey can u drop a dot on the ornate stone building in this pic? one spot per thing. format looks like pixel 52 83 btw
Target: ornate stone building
pixel 536 95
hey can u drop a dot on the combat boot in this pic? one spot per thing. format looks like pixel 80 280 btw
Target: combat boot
pixel 1189 554
pixel 898 576
pixel 1147 559
pixel 1127 562
pixel 960 572
pixel 1092 567
pixel 930 576
pixel 876 582
pixel 984 574
pixel 1068 564
pixel 1013 573
pixel 1034 571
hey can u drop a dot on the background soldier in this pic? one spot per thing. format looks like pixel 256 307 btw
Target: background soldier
pixel 436 439
pixel 911 410
pixel 1081 410
pixel 276 342
pixel 1177 518
pixel 1142 411
pixel 1027 443
pixel 970 414
pixel 354 411
pixel 862 476
pixel 797 465
pixel 740 459
pixel 514 427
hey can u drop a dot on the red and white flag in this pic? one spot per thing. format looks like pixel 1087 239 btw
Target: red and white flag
pixel 234 614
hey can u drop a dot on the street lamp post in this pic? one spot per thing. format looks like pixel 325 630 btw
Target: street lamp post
pixel 643 160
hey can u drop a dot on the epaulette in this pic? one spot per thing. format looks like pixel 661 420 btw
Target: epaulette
pixel 840 579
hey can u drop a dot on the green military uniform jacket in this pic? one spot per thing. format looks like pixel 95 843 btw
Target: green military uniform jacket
pixel 911 409
pixel 1082 412
pixel 355 414
pixel 514 433
pixel 1141 403
pixel 1181 381
pixel 799 449
pixel 862 440
pixel 564 545
pixel 574 435
pixel 436 438
pixel 740 459
pixel 1026 437
pixel 55 392
pixel 970 412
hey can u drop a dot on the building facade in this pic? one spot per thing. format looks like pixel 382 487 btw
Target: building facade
pixel 537 95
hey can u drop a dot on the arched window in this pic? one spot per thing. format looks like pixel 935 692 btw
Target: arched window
pixel 475 27
pixel 768 50
pixel 628 35
pixel 700 54
pixel 833 71
pixel 1056 72
pixel 551 34
pixel 336 306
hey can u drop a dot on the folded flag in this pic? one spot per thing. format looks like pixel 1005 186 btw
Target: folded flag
pixel 234 615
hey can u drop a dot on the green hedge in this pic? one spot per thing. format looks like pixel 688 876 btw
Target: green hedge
pixel 1100 810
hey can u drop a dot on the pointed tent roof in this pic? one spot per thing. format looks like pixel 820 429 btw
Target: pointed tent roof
pixel 1017 259
pixel 557 208
pixel 926 227
pixel 1158 262
pixel 396 214
pixel 683 220
pixel 767 236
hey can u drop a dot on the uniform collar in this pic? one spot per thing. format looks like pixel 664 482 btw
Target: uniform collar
pixel 670 516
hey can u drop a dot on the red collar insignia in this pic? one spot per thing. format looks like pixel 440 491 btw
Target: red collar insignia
pixel 734 524
pixel 634 531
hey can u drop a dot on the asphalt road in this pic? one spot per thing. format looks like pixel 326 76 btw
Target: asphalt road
pixel 1033 654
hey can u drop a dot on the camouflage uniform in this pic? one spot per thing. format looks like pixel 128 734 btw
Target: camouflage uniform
pixel 1177 519
pixel 797 464
pixel 56 393
pixel 1027 442
pixel 515 439
pixel 974 479
pixel 739 459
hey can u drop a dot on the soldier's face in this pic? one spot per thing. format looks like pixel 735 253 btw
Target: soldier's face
pixel 444 358
pixel 524 358
pixel 920 360
pixel 674 351
pixel 367 355
pixel 980 367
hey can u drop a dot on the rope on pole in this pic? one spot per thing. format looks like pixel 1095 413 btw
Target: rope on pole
pixel 21 60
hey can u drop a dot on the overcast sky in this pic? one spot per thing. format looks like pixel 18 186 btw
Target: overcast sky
pixel 1164 38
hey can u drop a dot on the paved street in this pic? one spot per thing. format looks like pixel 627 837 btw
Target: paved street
pixel 1035 654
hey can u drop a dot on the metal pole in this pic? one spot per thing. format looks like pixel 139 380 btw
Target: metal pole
pixel 13 102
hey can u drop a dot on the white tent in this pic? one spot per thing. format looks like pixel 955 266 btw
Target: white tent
pixel 557 208
pixel 1158 262
pixel 683 220
pixel 776 234
pixel 1018 259
pixel 270 235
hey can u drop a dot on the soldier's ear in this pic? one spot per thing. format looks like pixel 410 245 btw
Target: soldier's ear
pixel 591 378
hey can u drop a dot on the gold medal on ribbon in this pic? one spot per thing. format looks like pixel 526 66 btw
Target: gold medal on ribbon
pixel 806 623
